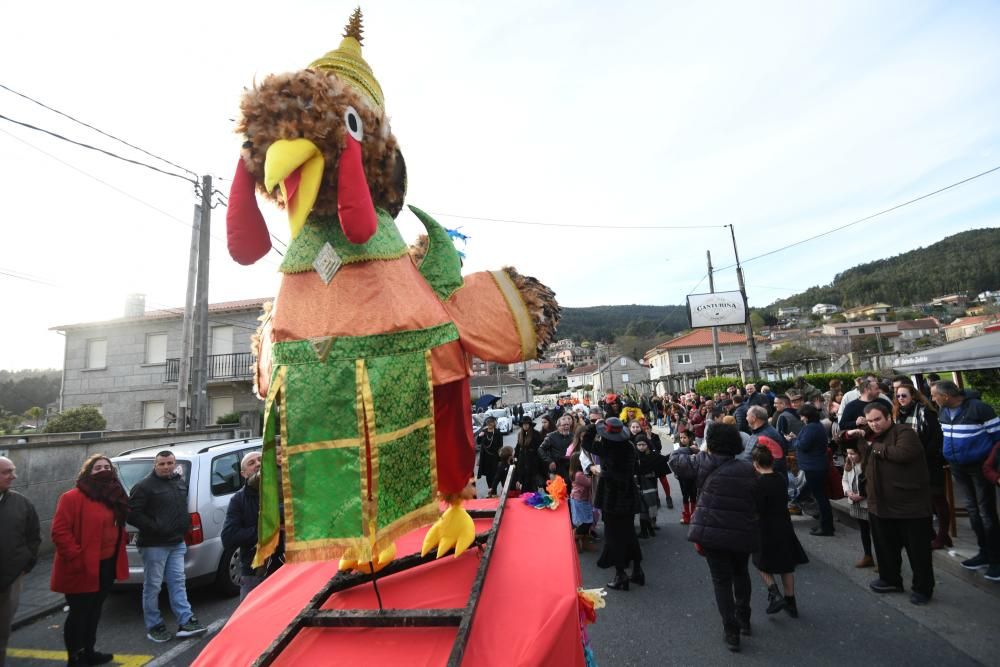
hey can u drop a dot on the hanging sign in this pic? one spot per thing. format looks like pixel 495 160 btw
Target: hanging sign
pixel 716 310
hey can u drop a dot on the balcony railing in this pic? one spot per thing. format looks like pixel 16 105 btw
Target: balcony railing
pixel 236 366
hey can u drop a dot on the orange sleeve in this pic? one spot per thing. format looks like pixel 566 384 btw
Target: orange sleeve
pixel 493 322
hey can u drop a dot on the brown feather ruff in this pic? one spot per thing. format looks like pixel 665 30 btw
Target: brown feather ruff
pixel 419 249
pixel 310 104
pixel 542 306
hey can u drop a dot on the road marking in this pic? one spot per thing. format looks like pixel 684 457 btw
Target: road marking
pixel 60 656
pixel 165 658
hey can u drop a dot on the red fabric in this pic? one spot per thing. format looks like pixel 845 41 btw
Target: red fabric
pixel 354 201
pixel 453 441
pixel 246 231
pixel 528 613
pixel 76 532
pixel 834 485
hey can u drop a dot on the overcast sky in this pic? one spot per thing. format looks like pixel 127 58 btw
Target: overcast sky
pixel 783 118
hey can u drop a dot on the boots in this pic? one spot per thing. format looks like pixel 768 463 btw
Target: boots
pixel 92 657
pixel 621 581
pixel 686 513
pixel 579 544
pixel 76 659
pixel 791 607
pixel 775 602
pixel 584 542
pixel 638 576
pixel 866 561
pixel 644 532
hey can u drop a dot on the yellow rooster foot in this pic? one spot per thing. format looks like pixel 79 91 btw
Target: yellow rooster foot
pixel 349 561
pixel 454 529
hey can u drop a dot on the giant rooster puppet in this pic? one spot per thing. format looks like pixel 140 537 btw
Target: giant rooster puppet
pixel 363 361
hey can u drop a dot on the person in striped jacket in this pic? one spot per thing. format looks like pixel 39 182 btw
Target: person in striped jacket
pixel 971 429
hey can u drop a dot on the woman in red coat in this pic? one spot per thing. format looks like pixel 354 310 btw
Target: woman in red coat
pixel 88 530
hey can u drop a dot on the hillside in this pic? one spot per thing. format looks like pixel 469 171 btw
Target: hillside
pixel 606 323
pixel 20 390
pixel 965 262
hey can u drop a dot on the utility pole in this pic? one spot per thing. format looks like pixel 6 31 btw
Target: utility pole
pixel 199 389
pixel 715 330
pixel 184 370
pixel 751 343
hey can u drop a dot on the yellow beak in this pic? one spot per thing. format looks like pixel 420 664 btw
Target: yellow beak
pixel 296 166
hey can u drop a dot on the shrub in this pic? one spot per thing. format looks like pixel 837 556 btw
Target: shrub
pixel 75 420
pixel 231 418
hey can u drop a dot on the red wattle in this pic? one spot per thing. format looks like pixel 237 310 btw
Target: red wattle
pixel 246 231
pixel 354 202
pixel 292 182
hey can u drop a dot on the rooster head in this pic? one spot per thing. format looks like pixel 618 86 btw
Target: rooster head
pixel 316 141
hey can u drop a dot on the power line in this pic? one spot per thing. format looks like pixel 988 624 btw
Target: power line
pixel 867 217
pixel 691 291
pixel 569 225
pixel 98 130
pixel 113 187
pixel 95 148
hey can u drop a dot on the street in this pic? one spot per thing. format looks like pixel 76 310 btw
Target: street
pixel 670 620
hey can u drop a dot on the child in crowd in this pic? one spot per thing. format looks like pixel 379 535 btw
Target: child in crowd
pixel 505 464
pixel 854 489
pixel 580 508
pixel 646 467
pixel 663 469
pixel 780 550
pixel 689 487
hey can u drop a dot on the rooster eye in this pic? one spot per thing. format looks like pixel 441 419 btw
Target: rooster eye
pixel 352 121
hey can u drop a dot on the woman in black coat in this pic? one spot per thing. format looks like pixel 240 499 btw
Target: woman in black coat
pixel 528 474
pixel 618 499
pixel 780 550
pixel 724 525
pixel 488 442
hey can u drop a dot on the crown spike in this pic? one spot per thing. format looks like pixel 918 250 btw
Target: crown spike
pixel 354 28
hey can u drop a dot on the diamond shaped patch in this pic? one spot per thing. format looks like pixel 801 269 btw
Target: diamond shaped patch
pixel 327 262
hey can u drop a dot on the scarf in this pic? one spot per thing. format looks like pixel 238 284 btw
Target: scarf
pixel 105 488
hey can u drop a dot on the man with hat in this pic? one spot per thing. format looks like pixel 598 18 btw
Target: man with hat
pixel 618 499
pixel 488 443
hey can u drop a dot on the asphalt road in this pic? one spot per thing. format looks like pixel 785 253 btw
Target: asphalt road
pixel 673 618
pixel 123 632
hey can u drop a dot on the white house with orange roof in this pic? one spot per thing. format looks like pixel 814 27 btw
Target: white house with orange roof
pixel 967 327
pixel 688 355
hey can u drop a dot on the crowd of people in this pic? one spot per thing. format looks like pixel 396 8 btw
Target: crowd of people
pixel 747 460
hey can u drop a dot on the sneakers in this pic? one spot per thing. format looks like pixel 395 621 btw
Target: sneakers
pixel 159 634
pixel 882 586
pixel 976 562
pixel 993 573
pixel 191 628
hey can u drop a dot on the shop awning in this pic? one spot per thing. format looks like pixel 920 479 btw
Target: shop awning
pixel 971 354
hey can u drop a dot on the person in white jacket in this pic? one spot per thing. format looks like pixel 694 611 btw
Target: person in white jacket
pixel 854 482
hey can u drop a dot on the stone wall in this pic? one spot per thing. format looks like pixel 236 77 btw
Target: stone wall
pixel 48 468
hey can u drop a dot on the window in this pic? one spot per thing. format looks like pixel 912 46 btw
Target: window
pixel 878 329
pixel 152 414
pixel 623 362
pixel 684 358
pixel 218 406
pixel 624 377
pixel 861 330
pixel 845 332
pixel 97 353
pixel 225 475
pixel 156 348
pixel 222 340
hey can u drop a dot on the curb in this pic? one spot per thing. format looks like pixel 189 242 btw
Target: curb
pixel 946 560
pixel 42 612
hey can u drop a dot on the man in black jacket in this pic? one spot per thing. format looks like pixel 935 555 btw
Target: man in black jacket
pixel 158 507
pixel 240 529
pixel 18 548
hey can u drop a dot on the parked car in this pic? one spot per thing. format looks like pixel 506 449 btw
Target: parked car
pixel 505 422
pixel 211 469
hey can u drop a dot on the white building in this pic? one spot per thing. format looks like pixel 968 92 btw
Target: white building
pixel 825 309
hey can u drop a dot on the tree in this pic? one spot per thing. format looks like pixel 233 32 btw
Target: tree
pixel 75 420
pixel 757 320
pixel 34 413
